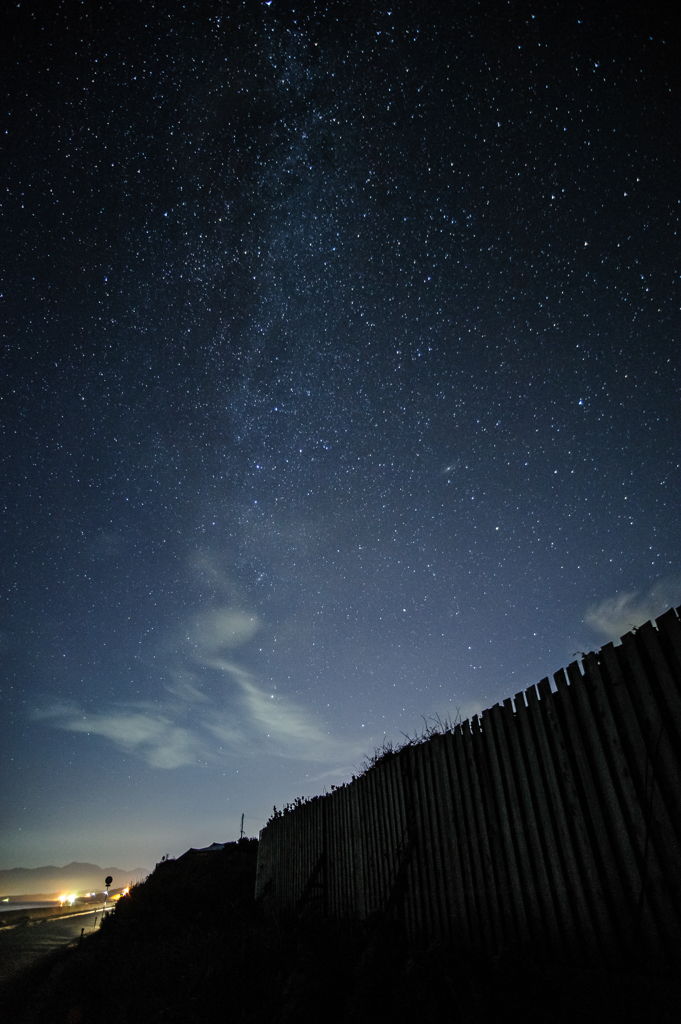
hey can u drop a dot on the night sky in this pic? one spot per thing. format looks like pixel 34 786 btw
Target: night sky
pixel 340 390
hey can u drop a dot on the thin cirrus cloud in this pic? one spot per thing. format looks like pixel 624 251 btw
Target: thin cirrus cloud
pixel 152 734
pixel 617 615
pixel 190 727
pixel 291 732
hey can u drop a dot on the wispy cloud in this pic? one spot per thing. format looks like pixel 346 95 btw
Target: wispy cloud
pixel 151 734
pixel 617 615
pixel 189 726
pixel 221 628
pixel 293 729
pixel 186 686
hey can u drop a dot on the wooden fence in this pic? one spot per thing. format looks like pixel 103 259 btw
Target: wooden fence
pixel 552 821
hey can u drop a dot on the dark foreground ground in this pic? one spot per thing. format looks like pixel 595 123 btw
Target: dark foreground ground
pixel 191 946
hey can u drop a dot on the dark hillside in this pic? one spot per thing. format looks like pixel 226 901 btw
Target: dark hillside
pixel 190 945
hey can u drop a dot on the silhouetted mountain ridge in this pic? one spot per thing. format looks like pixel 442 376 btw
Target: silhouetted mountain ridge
pixel 75 876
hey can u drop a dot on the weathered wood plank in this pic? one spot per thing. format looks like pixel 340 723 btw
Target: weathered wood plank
pixel 475 897
pixel 577 822
pixel 545 925
pixel 670 634
pixel 413 903
pixel 377 844
pixel 489 882
pixel 513 829
pixel 393 830
pixel 648 637
pixel 396 900
pixel 508 816
pixel 432 887
pixel 599 800
pixel 453 876
pixel 487 771
pixel 656 885
pixel 663 759
pixel 586 929
pixel 362 795
pixel 442 851
pixel 481 909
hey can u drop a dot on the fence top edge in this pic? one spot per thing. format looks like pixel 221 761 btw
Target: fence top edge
pixel 440 730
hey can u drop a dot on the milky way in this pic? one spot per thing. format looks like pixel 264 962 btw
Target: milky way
pixel 341 390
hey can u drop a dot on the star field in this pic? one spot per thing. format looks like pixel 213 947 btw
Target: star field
pixel 341 389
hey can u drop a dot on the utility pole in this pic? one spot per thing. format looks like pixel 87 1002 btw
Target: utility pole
pixel 242 827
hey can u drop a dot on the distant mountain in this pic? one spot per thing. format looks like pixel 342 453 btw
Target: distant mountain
pixel 73 877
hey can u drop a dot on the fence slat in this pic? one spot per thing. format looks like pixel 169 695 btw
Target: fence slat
pixel 577 819
pixel 414 918
pixel 648 637
pixel 376 843
pixel 398 889
pixel 497 880
pixel 364 823
pixel 387 844
pixel 393 832
pixel 432 885
pixel 522 878
pixel 454 882
pixel 476 915
pixel 599 800
pixel 489 883
pixel 662 757
pixel 670 632
pixel 565 843
pixel 649 825
pixel 619 860
pixel 484 911
pixel 545 923
pixel 507 811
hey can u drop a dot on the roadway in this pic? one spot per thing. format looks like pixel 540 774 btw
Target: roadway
pixel 22 944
